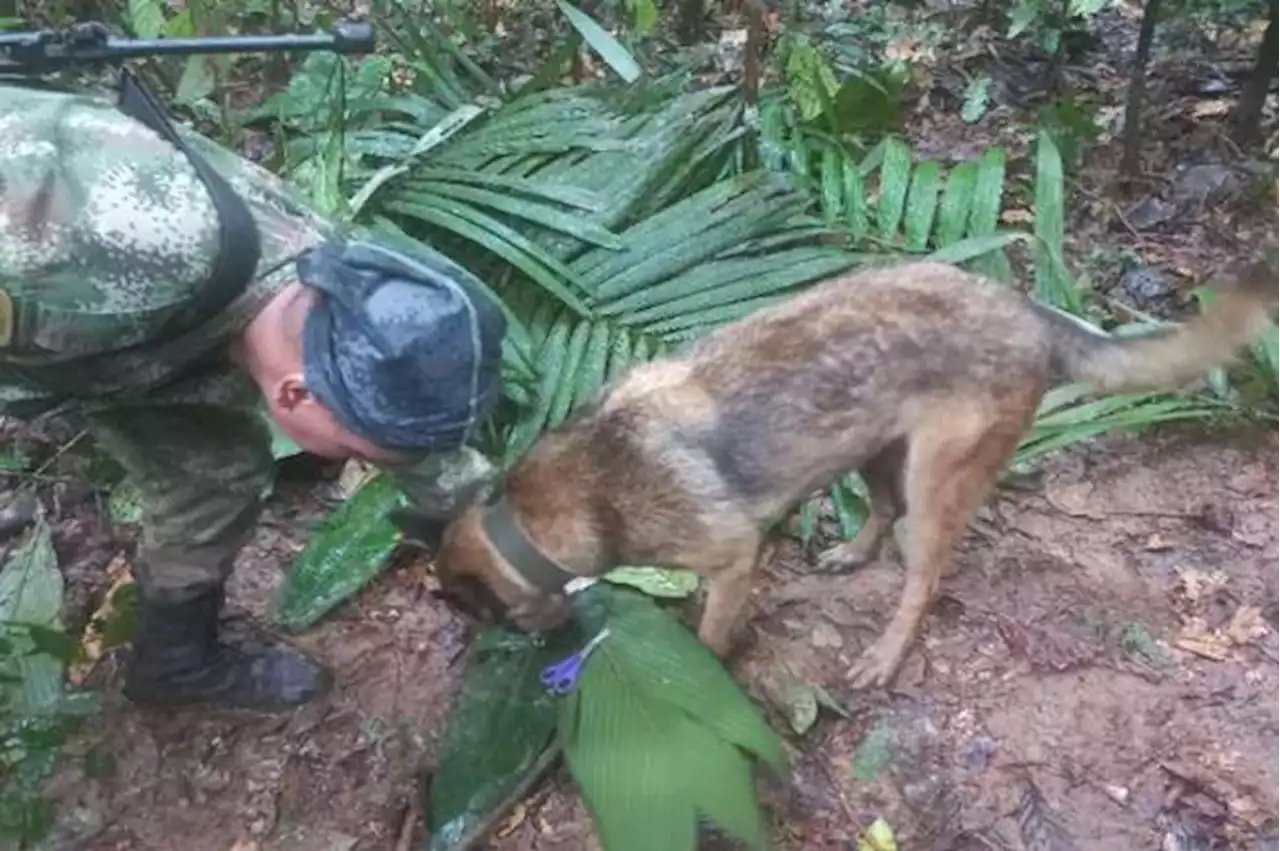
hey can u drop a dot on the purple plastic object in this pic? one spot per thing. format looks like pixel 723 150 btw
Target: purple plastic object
pixel 562 677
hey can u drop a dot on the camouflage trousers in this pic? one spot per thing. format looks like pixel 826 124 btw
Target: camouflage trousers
pixel 201 471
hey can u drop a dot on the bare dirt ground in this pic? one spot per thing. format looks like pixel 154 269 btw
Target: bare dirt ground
pixel 1100 673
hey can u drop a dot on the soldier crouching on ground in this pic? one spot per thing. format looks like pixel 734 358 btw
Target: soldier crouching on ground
pixel 115 245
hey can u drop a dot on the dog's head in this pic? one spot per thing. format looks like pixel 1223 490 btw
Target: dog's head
pixel 478 581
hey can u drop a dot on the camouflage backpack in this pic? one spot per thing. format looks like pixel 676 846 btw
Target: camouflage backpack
pixel 232 267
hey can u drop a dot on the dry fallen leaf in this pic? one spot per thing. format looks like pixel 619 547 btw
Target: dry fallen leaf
pixel 1197 638
pixel 1211 108
pixel 1246 624
pixel 513 821
pixel 354 474
pixel 1194 583
pixel 825 635
pixel 119 574
pixel 733 38
pixel 1017 217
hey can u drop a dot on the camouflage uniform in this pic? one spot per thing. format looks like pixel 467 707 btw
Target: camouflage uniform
pixel 105 233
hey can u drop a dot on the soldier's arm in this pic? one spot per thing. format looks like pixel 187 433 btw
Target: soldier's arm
pixel 439 488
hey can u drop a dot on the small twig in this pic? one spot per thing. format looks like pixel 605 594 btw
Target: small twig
pixel 1114 512
pixel 1116 209
pixel 62 450
pixel 849 812
pixel 405 840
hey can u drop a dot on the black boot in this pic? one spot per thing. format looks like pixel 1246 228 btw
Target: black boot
pixel 178 659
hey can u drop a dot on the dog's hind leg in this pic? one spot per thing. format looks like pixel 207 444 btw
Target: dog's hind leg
pixel 953 458
pixel 882 475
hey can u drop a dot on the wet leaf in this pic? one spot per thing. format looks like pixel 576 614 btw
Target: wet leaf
pixel 878 837
pixel 646 15
pixel 656 581
pixel 1137 640
pixel 124 505
pixel 873 753
pixel 800 700
pixel 53 643
pixel 349 549
pixel 198 80
pixel 31 594
pixel 500 735
pixel 1038 824
pixel 146 17
pixel 976 97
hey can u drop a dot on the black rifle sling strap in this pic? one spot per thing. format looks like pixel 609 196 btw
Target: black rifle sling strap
pixel 239 244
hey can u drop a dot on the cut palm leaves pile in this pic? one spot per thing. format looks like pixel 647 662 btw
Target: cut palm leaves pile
pixel 611 227
pixel 615 225
pixel 656 735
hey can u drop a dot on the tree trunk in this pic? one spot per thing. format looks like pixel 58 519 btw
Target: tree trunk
pixel 1129 163
pixel 692 15
pixel 752 51
pixel 1248 117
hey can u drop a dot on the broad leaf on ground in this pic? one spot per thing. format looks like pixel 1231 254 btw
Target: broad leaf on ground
pixel 656 581
pixel 500 736
pixel 350 548
pixel 659 733
pixel 31 598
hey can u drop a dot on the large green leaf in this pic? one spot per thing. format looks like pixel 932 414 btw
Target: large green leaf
pixel 351 546
pixel 500 736
pixel 658 733
pixel 618 57
pixel 31 597
pixel 35 713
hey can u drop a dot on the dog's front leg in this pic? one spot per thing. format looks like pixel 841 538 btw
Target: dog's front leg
pixel 728 590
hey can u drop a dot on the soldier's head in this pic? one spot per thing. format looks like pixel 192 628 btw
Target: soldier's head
pixel 377 353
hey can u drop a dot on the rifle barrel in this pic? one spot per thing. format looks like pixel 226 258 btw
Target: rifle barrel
pixel 346 37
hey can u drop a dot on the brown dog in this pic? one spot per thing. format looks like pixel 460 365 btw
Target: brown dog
pixel 921 377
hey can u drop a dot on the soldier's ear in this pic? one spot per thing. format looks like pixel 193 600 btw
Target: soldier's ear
pixel 291 392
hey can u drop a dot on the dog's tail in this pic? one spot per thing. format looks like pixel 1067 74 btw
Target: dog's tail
pixel 1167 357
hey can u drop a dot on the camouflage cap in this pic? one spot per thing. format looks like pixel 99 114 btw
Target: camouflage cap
pixel 404 348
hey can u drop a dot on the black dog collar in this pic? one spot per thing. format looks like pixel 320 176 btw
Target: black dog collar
pixel 504 532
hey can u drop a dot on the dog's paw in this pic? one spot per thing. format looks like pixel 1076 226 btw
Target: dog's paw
pixel 878 665
pixel 841 558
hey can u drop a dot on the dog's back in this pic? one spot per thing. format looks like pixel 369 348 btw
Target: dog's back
pixel 789 398
pixel 813 387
